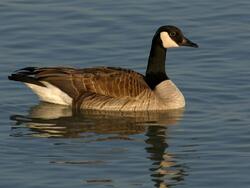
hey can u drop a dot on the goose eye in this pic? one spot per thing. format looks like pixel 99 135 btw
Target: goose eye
pixel 172 34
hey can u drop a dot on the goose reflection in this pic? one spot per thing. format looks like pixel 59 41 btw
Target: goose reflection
pixel 49 120
pixel 165 170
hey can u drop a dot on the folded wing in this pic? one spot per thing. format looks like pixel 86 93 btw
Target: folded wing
pixel 76 83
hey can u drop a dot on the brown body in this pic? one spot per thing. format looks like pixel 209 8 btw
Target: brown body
pixel 102 88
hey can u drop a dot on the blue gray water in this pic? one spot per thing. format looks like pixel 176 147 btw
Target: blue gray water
pixel 206 145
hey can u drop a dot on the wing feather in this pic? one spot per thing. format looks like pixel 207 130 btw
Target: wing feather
pixel 104 81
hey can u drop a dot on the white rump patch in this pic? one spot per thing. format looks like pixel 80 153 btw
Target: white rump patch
pixel 50 93
pixel 167 41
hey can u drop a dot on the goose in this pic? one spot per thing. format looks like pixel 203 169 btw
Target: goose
pixel 112 88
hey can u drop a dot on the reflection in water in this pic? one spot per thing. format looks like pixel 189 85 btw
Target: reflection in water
pixel 49 120
pixel 164 169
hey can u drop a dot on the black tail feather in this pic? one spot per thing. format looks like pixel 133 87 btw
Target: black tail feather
pixel 26 75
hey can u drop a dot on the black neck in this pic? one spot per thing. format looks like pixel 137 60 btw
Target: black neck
pixel 156 73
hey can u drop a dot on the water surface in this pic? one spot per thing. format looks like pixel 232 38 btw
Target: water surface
pixel 205 145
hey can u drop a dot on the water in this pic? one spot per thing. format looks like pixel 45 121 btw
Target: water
pixel 207 145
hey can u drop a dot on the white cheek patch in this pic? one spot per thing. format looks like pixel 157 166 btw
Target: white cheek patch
pixel 167 41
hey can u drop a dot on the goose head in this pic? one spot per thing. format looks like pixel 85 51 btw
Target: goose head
pixel 172 37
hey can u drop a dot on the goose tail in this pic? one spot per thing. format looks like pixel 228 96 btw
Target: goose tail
pixel 26 75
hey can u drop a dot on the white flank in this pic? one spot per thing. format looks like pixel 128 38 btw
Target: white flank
pixel 167 41
pixel 50 94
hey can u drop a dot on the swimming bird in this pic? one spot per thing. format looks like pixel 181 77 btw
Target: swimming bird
pixel 111 88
